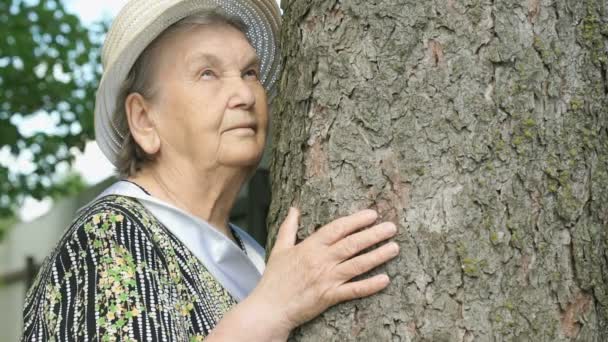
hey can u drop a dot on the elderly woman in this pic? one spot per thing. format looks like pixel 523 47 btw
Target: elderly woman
pixel 182 112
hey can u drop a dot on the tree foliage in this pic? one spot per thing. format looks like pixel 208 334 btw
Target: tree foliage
pixel 48 71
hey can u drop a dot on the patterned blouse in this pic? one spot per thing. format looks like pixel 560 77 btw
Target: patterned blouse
pixel 119 275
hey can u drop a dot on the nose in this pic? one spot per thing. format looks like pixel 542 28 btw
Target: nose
pixel 242 95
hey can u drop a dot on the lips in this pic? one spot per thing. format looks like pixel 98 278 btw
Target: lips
pixel 250 125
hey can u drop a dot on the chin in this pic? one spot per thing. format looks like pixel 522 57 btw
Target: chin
pixel 244 160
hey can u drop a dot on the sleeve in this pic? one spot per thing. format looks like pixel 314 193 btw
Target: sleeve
pixel 100 284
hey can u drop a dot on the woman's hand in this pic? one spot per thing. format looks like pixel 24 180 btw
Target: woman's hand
pixel 301 281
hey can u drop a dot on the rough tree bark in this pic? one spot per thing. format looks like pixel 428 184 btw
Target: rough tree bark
pixel 480 128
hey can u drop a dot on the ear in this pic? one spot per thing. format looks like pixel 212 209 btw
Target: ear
pixel 141 123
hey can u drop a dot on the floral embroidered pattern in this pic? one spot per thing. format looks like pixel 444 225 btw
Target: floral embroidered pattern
pixel 119 275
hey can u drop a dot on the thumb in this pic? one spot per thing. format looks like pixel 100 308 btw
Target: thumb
pixel 288 230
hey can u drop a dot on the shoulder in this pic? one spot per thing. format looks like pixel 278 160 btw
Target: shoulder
pixel 103 227
pixel 110 208
pixel 109 215
pixel 109 227
pixel 91 269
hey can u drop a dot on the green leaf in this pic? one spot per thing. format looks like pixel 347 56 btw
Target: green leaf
pixel 8 134
pixel 27 45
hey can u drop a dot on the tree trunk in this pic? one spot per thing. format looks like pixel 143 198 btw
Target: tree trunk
pixel 480 128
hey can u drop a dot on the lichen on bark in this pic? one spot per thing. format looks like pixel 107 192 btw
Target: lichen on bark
pixel 480 128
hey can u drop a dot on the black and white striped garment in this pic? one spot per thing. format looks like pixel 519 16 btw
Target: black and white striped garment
pixel 119 275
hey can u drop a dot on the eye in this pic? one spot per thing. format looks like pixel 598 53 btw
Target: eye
pixel 251 74
pixel 208 74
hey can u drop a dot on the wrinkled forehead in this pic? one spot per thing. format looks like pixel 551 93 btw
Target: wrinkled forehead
pixel 217 43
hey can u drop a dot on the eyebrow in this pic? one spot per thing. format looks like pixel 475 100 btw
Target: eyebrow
pixel 214 60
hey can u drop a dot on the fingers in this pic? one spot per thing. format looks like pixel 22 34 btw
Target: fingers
pixel 366 262
pixel 344 226
pixel 361 288
pixel 357 242
pixel 286 237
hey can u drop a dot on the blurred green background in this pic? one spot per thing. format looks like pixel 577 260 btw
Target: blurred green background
pixel 49 69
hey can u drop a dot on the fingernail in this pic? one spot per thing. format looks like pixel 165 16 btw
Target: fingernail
pixel 391 228
pixel 394 248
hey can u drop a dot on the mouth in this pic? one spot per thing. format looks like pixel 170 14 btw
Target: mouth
pixel 245 127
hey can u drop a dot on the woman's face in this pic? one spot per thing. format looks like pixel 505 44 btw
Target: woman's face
pixel 210 108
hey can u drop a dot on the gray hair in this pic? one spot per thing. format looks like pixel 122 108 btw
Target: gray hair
pixel 132 157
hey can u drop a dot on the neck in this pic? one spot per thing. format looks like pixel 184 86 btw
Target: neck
pixel 209 195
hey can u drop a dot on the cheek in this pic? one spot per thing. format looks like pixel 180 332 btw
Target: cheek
pixel 195 113
pixel 183 131
pixel 262 105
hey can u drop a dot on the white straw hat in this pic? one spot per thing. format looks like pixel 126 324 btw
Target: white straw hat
pixel 141 21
